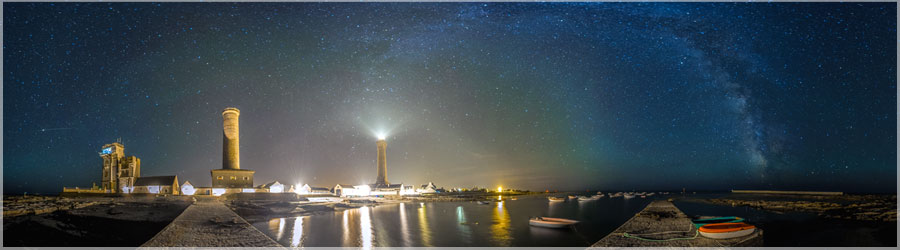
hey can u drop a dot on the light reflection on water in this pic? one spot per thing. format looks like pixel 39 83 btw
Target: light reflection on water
pixel 404 225
pixel 462 225
pixel 503 223
pixel 423 226
pixel 298 232
pixel 500 226
pixel 365 225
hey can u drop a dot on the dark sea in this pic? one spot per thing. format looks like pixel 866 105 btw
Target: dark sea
pixel 505 223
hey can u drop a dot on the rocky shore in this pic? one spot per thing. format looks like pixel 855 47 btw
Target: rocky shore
pixel 33 205
pixel 106 222
pixel 850 207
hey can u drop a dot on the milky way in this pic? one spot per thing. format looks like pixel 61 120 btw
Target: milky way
pixel 559 96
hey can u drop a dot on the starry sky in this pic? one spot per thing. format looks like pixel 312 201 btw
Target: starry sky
pixel 558 96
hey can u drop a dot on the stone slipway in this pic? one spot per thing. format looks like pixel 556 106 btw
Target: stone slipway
pixel 663 216
pixel 209 223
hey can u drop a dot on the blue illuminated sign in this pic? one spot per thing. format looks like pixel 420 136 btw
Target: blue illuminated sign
pixel 107 151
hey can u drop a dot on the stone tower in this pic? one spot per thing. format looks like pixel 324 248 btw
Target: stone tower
pixel 113 155
pixel 231 154
pixel 119 172
pixel 231 175
pixel 382 163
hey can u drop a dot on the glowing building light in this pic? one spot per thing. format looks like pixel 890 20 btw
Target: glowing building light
pixel 499 189
pixel 276 188
pixel 248 190
pixel 218 191
pixel 298 189
pixel 153 189
pixel 363 190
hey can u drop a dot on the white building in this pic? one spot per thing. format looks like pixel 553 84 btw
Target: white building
pixel 306 189
pixel 427 189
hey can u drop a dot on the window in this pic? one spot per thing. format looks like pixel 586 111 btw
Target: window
pixel 246 178
pixel 233 178
pixel 219 177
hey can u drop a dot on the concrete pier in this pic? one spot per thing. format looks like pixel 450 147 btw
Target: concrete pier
pixel 209 223
pixel 661 220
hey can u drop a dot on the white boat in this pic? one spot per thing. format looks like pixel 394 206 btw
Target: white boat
pixel 585 198
pixel 572 197
pixel 483 202
pixel 556 199
pixel 551 222
pixel 628 196
pixel 599 192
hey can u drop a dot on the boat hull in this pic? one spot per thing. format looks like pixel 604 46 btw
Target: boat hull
pixel 728 235
pixel 551 222
pixel 726 230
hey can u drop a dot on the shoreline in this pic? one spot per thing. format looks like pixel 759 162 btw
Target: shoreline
pixel 850 207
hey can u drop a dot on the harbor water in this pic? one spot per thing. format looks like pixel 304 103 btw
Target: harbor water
pixel 505 223
pixel 455 224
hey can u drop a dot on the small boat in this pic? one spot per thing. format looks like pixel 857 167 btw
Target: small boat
pixel 628 196
pixel 585 198
pixel 726 230
pixel 643 196
pixel 554 199
pixel 703 220
pixel 483 202
pixel 551 222
pixel 513 198
pixel 600 193
pixel 572 197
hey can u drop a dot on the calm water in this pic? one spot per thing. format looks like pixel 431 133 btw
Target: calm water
pixel 454 224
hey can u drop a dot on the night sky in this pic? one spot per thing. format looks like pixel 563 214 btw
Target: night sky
pixel 559 96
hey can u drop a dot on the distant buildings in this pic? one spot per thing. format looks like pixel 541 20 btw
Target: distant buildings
pixel 122 174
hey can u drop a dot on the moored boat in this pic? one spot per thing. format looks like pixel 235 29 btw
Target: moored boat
pixel 628 196
pixel 572 197
pixel 585 198
pixel 551 222
pixel 556 199
pixel 483 202
pixel 704 220
pixel 726 230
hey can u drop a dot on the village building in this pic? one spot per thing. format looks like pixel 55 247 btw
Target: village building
pixel 157 185
pixel 429 188
pixel 307 189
